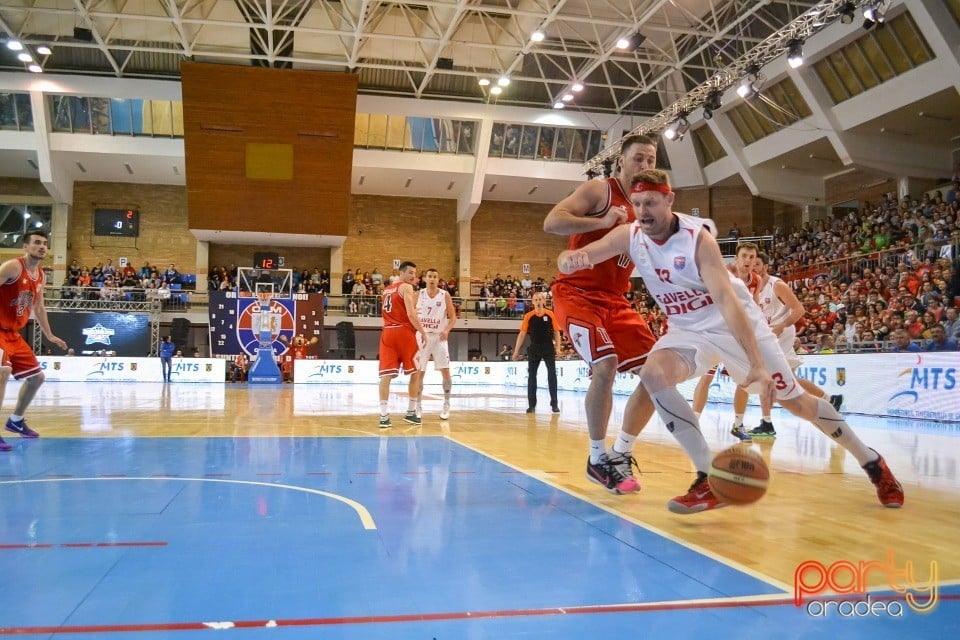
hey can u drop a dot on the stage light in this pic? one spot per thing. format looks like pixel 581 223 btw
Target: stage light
pixel 795 53
pixel 847 12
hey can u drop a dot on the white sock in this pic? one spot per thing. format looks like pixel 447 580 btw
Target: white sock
pixel 383 408
pixel 597 449
pixel 682 423
pixel 766 418
pixel 412 405
pixel 836 428
pixel 16 418
pixel 738 420
pixel 624 443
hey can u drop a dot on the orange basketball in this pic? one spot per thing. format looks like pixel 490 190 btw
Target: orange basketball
pixel 739 475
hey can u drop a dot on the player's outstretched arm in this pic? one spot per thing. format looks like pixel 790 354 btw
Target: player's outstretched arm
pixel 612 244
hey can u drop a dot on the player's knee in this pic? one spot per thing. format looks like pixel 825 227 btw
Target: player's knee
pixel 604 371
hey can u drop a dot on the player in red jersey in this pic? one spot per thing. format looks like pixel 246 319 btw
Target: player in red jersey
pixel 398 341
pixel 21 292
pixel 590 305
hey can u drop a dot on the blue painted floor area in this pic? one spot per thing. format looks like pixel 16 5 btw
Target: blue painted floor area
pixel 94 535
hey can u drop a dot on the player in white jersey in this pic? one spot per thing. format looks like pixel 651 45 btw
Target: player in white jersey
pixel 437 315
pixel 782 309
pixel 712 317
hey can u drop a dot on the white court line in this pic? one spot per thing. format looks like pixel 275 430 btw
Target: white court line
pixel 365 518
pixel 543 477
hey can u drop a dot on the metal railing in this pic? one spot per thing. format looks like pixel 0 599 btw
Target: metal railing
pixel 843 267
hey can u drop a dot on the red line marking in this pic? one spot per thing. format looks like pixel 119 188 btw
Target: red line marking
pixel 272 475
pixel 113 475
pixel 637 607
pixel 462 472
pixel 58 475
pixel 416 473
pixel 318 473
pixel 165 475
pixel 25 546
pixel 77 545
pixel 8 475
pixel 215 475
pixel 368 473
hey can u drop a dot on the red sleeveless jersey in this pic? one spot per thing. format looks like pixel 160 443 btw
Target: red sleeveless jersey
pixel 17 298
pixel 394 308
pixel 612 275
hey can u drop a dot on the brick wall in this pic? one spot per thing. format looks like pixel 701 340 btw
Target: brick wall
pixel 298 258
pixel 384 228
pixel 507 235
pixel 732 205
pixel 164 236
pixel 858 185
pixel 21 187
pixel 686 200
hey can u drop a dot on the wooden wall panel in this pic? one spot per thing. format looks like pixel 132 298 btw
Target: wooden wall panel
pixel 227 108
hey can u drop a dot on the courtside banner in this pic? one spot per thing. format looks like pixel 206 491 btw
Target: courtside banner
pixel 120 369
pixel 902 385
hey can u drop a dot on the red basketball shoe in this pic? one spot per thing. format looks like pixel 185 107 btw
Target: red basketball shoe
pixel 699 498
pixel 889 491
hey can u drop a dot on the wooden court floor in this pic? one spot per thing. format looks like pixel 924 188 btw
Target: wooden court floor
pixel 820 506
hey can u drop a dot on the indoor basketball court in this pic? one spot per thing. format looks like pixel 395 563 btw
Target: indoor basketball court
pixel 174 511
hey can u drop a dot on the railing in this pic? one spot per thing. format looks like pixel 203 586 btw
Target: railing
pixel 842 267
pixel 728 246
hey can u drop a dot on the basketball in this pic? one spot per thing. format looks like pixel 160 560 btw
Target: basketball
pixel 738 475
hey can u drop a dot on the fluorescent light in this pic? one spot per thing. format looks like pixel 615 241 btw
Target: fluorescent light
pixel 44 50
pixel 567 97
pixel 14 45
pixel 24 57
pixel 623 43
pixel 35 68
pixel 558 105
pixel 577 87
pixel 503 81
pixel 484 82
pixel 496 90
pixel 537 36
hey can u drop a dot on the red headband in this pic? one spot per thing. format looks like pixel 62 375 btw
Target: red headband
pixel 642 186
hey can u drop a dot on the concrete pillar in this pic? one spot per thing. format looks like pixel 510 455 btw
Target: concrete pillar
pixel 59 226
pixel 336 270
pixel 203 264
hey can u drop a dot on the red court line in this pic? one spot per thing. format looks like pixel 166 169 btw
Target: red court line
pixel 165 475
pixel 368 473
pixel 271 475
pixel 461 472
pixel 25 546
pixel 215 475
pixel 113 475
pixel 58 475
pixel 87 545
pixel 639 607
pixel 318 473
